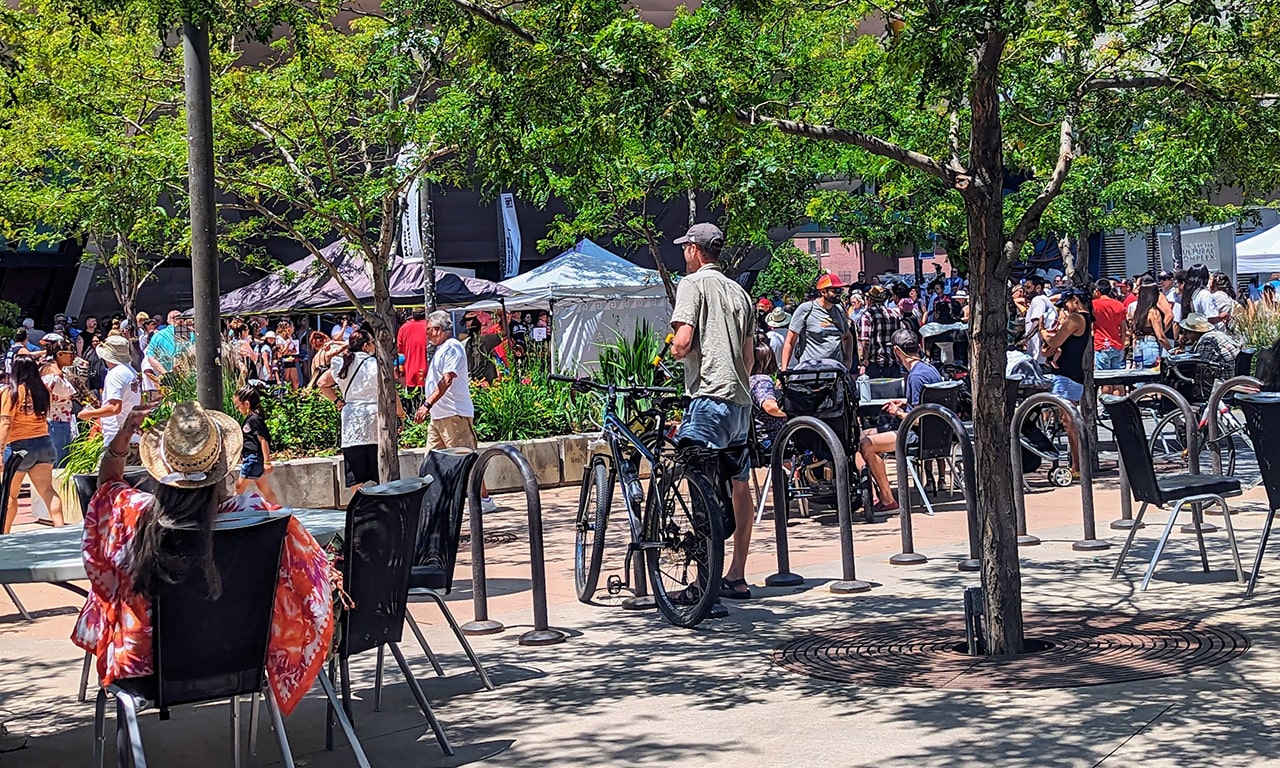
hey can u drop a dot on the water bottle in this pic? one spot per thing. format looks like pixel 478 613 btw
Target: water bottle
pixel 631 482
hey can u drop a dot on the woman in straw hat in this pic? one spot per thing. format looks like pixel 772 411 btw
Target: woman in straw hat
pixel 127 553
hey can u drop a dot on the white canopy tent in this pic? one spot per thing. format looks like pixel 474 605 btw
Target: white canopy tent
pixel 1259 252
pixel 593 297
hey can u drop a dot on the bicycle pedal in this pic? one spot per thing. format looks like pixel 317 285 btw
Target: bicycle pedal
pixel 614 584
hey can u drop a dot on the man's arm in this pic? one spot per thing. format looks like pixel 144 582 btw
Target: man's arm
pixel 109 408
pixel 683 341
pixel 425 409
pixel 788 349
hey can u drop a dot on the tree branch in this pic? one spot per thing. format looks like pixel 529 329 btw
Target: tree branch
pixel 497 19
pixel 1031 217
pixel 265 131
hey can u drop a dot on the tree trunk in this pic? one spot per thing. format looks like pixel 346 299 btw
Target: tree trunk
pixel 656 252
pixel 1175 244
pixel 383 319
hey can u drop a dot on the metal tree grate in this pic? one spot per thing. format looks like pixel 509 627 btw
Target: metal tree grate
pixel 1070 650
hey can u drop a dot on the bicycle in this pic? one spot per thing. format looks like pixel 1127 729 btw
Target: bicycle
pixel 677 524
pixel 1168 439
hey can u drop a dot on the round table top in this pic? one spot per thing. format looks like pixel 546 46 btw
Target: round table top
pixel 1129 376
pixel 54 554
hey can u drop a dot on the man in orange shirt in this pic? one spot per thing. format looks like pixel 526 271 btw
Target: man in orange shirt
pixel 1110 331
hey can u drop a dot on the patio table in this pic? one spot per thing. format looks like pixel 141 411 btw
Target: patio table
pixel 1126 377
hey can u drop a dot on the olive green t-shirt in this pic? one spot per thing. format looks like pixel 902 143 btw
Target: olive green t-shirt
pixel 722 317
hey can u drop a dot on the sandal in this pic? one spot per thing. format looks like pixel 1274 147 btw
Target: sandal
pixel 729 588
pixel 880 508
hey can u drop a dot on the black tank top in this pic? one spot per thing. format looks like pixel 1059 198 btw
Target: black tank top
pixel 1071 361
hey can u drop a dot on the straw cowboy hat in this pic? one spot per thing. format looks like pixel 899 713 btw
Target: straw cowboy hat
pixel 115 350
pixel 193 448
pixel 778 318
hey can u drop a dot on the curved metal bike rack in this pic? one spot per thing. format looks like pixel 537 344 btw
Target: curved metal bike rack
pixel 541 634
pixel 1090 541
pixel 1235 384
pixel 849 582
pixel 909 556
pixel 1193 455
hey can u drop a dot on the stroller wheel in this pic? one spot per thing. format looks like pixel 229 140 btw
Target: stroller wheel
pixel 1060 476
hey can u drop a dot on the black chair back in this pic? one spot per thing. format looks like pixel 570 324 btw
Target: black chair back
pixel 1131 439
pixel 1262 419
pixel 442 510
pixel 215 649
pixel 935 434
pixel 87 485
pixel 1244 361
pixel 382 528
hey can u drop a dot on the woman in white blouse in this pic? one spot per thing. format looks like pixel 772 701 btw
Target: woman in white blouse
pixel 352 384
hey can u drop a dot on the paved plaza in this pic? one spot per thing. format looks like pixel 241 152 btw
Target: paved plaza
pixel 626 689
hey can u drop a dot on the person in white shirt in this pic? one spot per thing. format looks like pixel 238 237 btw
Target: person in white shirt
pixel 1223 298
pixel 121 390
pixel 1041 315
pixel 352 384
pixel 449 395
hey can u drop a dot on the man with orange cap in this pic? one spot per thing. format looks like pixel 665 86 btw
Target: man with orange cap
pixel 819 329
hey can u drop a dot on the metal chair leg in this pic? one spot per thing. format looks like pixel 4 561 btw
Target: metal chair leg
pixel 254 713
pixel 422 641
pixel 84 678
pixel 329 714
pixel 377 680
pixel 1164 537
pixel 915 478
pixel 1231 537
pixel 1128 542
pixel 127 712
pixel 345 665
pixel 277 722
pixel 422 700
pixel 763 496
pixel 99 727
pixel 1262 547
pixel 235 731
pixel 462 640
pixel 22 609
pixel 1197 517
pixel 336 708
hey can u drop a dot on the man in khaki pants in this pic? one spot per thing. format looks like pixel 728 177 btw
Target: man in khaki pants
pixel 448 395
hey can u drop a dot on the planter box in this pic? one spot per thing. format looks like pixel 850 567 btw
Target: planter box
pixel 307 483
pixel 544 455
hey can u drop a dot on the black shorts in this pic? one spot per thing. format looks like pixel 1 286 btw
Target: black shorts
pixel 361 463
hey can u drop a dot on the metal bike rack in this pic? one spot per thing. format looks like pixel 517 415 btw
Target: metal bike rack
pixel 541 634
pixel 1193 455
pixel 909 556
pixel 1236 384
pixel 849 582
pixel 1090 542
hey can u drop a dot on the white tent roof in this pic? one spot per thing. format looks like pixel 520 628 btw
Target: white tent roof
pixel 1259 252
pixel 583 273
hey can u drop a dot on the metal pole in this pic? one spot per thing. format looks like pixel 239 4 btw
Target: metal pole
pixel 1241 383
pixel 427 229
pixel 204 242
pixel 1077 426
pixel 909 556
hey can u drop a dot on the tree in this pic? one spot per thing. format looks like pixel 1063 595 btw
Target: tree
pixel 985 96
pixel 326 142
pixel 791 273
pixel 94 142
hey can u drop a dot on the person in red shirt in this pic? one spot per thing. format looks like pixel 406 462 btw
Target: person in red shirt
pixel 411 340
pixel 1109 330
pixel 1125 294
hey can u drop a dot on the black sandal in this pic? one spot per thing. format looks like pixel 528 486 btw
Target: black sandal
pixel 729 589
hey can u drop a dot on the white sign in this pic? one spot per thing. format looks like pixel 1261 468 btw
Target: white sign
pixel 511 235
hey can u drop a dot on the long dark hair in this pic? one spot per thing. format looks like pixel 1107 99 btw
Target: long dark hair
pixel 355 343
pixel 25 375
pixel 1197 278
pixel 153 560
pixel 1148 299
pixel 763 361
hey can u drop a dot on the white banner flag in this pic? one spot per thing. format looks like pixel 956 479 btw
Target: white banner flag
pixel 511 235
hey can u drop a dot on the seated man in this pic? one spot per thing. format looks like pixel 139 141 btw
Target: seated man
pixel 906 349
pixel 1204 341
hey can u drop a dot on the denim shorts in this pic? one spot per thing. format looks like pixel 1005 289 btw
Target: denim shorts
pixel 1108 359
pixel 39 451
pixel 718 424
pixel 1064 387
pixel 251 467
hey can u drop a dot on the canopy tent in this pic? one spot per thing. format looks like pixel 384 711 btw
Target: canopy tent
pixel 306 285
pixel 594 296
pixel 1259 252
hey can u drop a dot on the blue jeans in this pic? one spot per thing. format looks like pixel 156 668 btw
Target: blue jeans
pixel 1147 353
pixel 718 424
pixel 1064 387
pixel 60 432
pixel 1108 360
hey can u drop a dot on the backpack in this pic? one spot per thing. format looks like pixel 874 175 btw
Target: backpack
pixel 97 369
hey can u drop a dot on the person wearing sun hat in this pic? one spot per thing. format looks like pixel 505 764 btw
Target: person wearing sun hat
pixel 121 388
pixel 777 322
pixel 1205 341
pixel 127 541
pixel 819 329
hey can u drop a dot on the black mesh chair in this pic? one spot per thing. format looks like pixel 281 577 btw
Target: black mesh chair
pixel 1262 419
pixel 209 650
pixel 439 535
pixel 1180 490
pixel 377 553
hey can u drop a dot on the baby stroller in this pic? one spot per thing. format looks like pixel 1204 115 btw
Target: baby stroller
pixel 821 389
pixel 1042 435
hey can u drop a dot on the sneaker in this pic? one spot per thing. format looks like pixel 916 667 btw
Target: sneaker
pixel 11 742
pixel 488 505
pixel 718 611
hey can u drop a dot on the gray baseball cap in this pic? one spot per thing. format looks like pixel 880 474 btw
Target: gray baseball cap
pixel 704 234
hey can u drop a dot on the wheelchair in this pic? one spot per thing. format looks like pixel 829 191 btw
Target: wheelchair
pixel 1195 379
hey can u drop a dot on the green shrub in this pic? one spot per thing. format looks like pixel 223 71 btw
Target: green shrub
pixel 302 420
pixel 526 405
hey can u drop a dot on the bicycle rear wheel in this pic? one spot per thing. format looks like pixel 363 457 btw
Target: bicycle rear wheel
pixel 684 546
pixel 593 520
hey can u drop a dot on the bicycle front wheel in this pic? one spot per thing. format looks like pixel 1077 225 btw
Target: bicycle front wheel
pixel 593 519
pixel 684 546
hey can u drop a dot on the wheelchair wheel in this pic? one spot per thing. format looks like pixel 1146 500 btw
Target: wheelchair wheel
pixel 1169 441
pixel 1060 476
